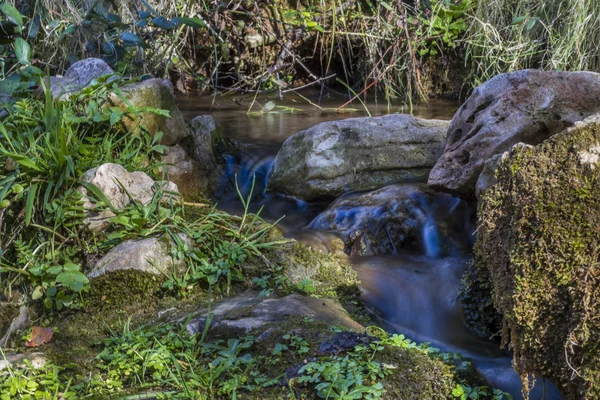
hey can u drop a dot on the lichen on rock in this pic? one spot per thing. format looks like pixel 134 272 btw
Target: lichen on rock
pixel 539 242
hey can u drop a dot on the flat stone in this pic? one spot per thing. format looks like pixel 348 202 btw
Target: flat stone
pixel 335 157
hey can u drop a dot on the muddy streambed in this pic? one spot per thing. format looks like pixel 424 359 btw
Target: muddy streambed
pixel 413 292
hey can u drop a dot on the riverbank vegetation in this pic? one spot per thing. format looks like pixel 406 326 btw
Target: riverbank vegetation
pixel 109 336
pixel 99 352
pixel 394 49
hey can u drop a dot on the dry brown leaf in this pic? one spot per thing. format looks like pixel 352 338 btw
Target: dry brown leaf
pixel 39 336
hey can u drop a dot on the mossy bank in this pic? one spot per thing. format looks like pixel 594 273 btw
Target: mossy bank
pixel 538 242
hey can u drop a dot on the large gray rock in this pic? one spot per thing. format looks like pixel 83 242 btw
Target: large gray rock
pixel 395 218
pixel 250 311
pixel 78 76
pixel 120 187
pixel 357 154
pixel 154 93
pixel 151 255
pixel 524 106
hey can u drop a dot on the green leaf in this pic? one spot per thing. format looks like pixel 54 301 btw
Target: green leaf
pixel 34 27
pixel 24 161
pixel 10 84
pixel 149 7
pixel 70 29
pixel 71 267
pixel 75 280
pixel 98 194
pixel 37 293
pixel 11 13
pixel 191 22
pixel 132 38
pixel 29 203
pixel 518 20
pixel 22 51
pixel 55 270
pixel 164 23
pixel 531 23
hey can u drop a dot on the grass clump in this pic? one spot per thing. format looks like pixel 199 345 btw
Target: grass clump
pixel 538 241
pixel 509 35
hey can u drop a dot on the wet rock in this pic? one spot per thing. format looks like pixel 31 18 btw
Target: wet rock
pixel 478 308
pixel 335 157
pixel 205 137
pixel 538 242
pixel 344 341
pixel 151 255
pixel 120 187
pixel 78 76
pixel 250 311
pixel 155 93
pixel 191 179
pixel 394 218
pixel 525 106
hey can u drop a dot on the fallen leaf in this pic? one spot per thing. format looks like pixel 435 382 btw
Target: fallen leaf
pixel 39 336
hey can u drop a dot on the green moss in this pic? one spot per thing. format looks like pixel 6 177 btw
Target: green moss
pixel 539 243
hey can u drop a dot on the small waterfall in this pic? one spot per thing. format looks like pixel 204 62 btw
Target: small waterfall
pixel 431 238
pixel 251 172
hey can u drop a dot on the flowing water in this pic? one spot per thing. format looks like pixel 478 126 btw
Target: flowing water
pixel 413 292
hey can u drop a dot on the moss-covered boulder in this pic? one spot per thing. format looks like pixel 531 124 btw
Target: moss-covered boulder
pixel 539 241
pixel 158 94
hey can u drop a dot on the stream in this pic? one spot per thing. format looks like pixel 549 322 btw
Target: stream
pixel 413 292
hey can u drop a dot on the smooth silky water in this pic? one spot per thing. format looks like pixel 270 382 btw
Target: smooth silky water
pixel 413 292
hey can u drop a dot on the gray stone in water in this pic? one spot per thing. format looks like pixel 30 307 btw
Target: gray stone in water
pixel 393 218
pixel 335 157
pixel 250 311
pixel 154 93
pixel 78 76
pixel 151 255
pixel 204 129
pixel 525 106
pixel 120 187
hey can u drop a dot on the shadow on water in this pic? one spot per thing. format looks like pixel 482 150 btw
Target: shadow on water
pixel 413 293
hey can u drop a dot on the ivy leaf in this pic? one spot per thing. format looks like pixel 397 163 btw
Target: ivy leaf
pixel 74 280
pixel 22 51
pixel 11 13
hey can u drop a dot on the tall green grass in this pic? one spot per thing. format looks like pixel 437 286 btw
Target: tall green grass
pixel 508 35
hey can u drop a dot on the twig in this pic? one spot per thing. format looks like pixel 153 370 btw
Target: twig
pixel 370 85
